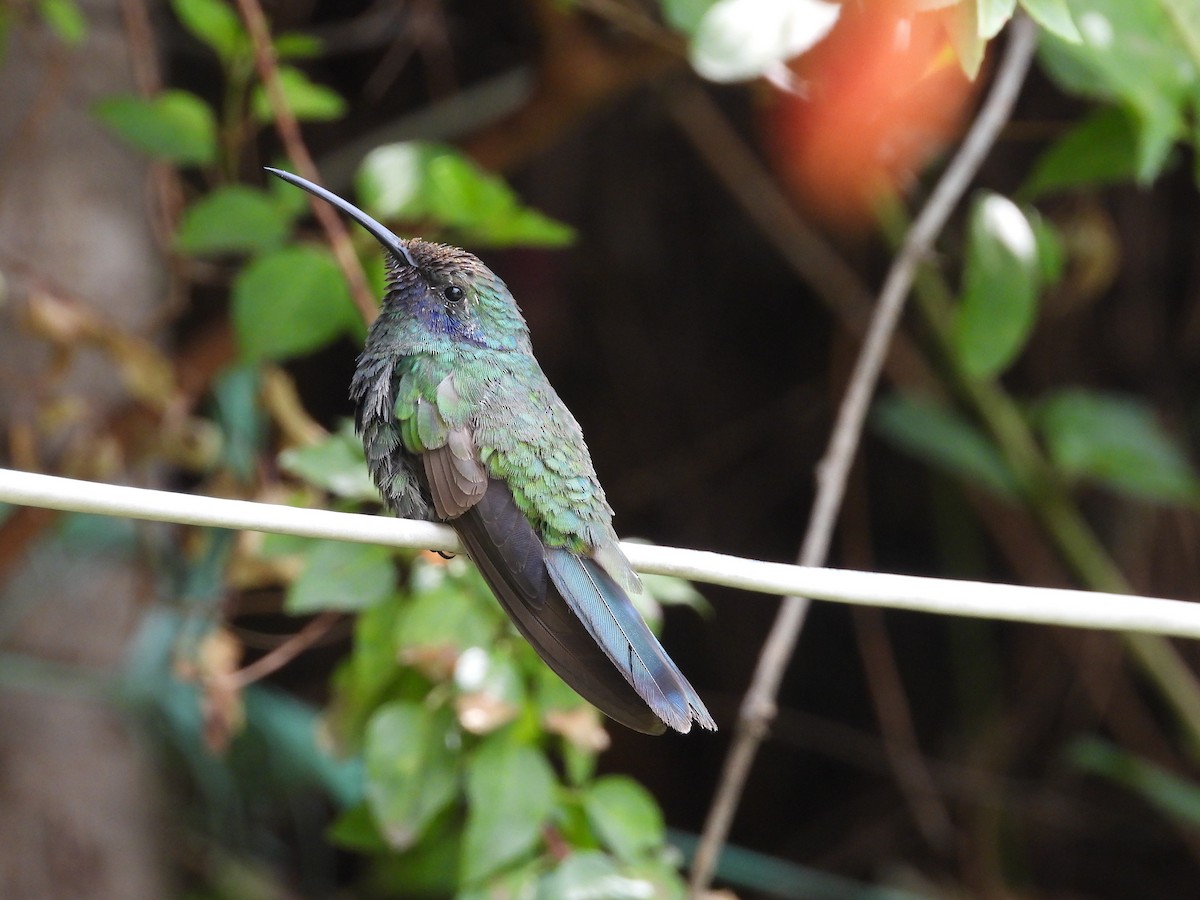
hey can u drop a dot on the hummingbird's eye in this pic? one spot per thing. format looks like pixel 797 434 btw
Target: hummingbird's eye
pixel 453 293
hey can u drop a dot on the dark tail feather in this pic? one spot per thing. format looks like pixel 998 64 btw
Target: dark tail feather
pixel 615 624
pixel 516 566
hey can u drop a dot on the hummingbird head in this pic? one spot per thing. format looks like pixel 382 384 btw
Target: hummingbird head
pixel 438 295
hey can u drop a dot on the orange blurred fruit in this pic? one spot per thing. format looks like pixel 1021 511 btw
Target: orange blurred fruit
pixel 877 99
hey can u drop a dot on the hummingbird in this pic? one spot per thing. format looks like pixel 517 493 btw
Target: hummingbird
pixel 460 425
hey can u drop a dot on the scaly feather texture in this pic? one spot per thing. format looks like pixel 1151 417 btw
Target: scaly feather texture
pixel 459 424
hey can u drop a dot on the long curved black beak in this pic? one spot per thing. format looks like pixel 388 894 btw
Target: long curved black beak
pixel 384 236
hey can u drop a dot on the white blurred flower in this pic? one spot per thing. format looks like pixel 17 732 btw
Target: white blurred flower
pixel 1004 219
pixel 742 39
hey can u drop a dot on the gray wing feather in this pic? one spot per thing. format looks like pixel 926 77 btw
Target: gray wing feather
pixel 457 479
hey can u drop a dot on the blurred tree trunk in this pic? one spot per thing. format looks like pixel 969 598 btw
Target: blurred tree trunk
pixel 78 804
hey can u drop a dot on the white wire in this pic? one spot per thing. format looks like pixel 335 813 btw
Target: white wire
pixel 1051 606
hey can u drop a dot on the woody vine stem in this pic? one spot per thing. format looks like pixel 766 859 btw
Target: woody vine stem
pixel 758 707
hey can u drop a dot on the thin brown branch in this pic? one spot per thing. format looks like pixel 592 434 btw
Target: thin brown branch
pixel 293 143
pixel 272 662
pixel 885 686
pixel 758 708
pixel 143 56
pixel 629 18
pixel 900 737
pixel 23 528
pixel 426 34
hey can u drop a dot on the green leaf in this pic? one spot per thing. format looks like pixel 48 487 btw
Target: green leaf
pixel 307 100
pixel 429 869
pixel 943 439
pixel 1196 141
pixel 276 545
pixel 510 792
pixel 341 575
pixel 670 590
pixel 65 19
pixel 376 268
pixel 490 672
pixel 418 182
pixel 999 302
pixel 966 36
pixel 510 225
pixel 1185 21
pixel 1131 54
pixel 355 829
pixel 175 125
pixel 239 415
pixel 1055 17
pixel 1050 251
pixel 992 16
pixel 367 676
pixel 335 465
pixel 685 15
pixel 625 816
pixel 294 45
pixel 1101 149
pixel 664 882
pixel 1175 797
pixel 290 302
pixel 215 24
pixel 491 690
pixel 411 771
pixel 1117 441
pixel 592 874
pixel 85 534
pixel 520 883
pixel 552 692
pixel 579 763
pixel 457 186
pixel 447 620
pixel 286 731
pixel 393 179
pixel 232 219
pixel 463 195
pixel 455 574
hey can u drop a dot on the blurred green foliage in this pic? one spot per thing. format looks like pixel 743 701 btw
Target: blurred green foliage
pixel 477 764
pixel 176 126
pixel 421 182
pixel 1116 441
pixel 1142 57
pixel 998 307
pixel 1139 61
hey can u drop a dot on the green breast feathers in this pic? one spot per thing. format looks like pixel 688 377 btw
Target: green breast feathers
pixel 470 422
